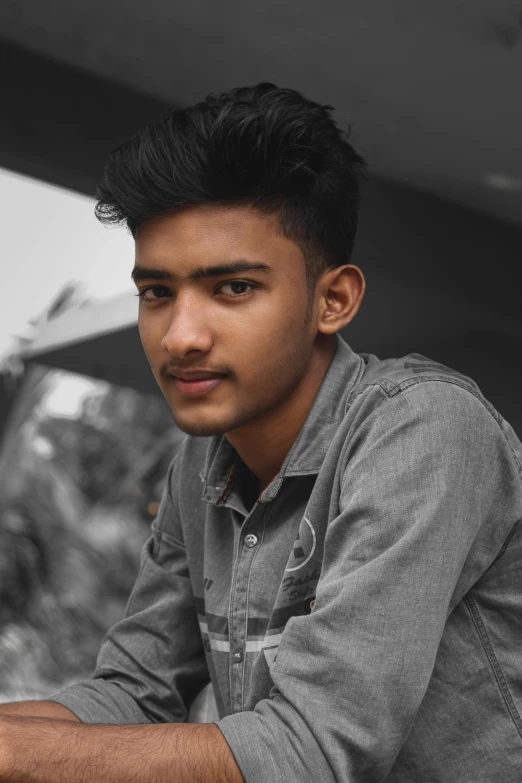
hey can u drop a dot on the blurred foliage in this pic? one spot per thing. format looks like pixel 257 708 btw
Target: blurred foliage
pixel 118 450
pixel 74 494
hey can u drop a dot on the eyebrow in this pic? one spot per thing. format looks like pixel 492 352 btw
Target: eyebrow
pixel 230 268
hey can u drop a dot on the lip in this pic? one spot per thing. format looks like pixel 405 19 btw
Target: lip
pixel 197 375
pixel 197 388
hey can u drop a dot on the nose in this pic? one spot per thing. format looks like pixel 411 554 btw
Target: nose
pixel 187 330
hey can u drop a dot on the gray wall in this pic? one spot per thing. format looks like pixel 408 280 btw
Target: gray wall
pixel 441 281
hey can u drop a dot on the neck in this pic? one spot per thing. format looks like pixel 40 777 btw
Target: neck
pixel 264 444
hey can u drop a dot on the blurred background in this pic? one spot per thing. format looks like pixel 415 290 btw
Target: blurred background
pixel 431 90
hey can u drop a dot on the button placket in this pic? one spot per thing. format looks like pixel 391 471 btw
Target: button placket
pixel 238 618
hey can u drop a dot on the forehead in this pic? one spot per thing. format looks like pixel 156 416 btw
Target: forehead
pixel 208 232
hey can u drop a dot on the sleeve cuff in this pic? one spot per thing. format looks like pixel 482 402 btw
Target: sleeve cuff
pixel 273 743
pixel 99 701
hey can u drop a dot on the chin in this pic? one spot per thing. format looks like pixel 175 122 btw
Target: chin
pixel 199 430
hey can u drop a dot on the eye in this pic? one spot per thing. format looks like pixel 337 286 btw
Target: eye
pixel 157 291
pixel 253 286
pixel 153 293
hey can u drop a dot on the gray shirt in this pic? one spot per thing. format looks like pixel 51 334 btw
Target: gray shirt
pixel 362 619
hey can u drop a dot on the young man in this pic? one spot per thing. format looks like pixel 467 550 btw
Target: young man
pixel 338 548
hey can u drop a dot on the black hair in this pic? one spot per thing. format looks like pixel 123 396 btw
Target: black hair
pixel 263 146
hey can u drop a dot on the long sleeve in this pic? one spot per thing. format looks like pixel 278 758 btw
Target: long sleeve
pixel 151 664
pixel 425 504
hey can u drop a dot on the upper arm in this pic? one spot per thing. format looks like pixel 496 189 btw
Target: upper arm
pixel 420 510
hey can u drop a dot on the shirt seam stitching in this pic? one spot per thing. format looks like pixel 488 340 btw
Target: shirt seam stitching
pixel 509 538
pixel 493 661
pixel 408 383
pixel 170 539
pixel 487 408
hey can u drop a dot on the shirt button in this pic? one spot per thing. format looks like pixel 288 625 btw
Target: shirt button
pixel 238 656
pixel 250 540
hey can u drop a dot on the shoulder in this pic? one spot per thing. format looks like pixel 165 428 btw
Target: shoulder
pixel 421 404
pixel 415 379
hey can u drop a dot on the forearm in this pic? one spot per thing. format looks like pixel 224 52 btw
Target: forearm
pixel 38 709
pixel 40 750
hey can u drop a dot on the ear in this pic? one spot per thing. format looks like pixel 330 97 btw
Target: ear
pixel 342 290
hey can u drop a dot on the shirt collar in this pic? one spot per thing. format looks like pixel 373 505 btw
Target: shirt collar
pixel 309 449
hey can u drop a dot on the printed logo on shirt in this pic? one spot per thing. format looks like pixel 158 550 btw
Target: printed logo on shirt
pixel 304 546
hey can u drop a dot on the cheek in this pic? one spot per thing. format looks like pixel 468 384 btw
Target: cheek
pixel 151 335
pixel 285 314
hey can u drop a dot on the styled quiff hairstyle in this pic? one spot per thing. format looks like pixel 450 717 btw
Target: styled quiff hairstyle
pixel 263 146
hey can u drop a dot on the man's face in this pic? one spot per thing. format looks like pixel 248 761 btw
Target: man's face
pixel 248 325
